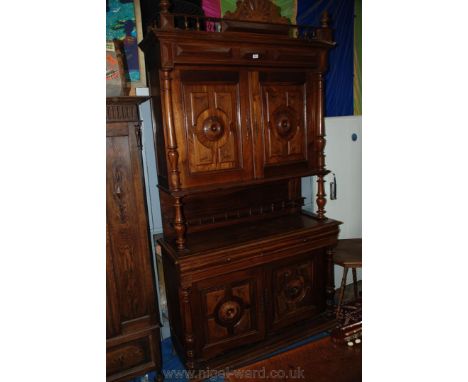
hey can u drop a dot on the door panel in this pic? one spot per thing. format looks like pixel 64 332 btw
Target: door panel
pixel 297 290
pixel 231 311
pixel 213 135
pixel 284 123
pixel 285 142
pixel 217 144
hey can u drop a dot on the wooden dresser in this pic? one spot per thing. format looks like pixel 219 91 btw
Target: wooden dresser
pixel 238 106
pixel 132 319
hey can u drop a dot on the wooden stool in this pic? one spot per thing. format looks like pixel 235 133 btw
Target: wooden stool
pixel 348 254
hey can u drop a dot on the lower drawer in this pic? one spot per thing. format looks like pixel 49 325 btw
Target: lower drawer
pixel 128 355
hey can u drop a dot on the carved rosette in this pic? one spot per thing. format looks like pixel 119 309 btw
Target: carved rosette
pixel 284 122
pixel 294 288
pixel 228 312
pixel 257 10
pixel 212 128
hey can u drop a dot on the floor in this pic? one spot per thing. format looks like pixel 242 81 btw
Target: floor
pixel 319 361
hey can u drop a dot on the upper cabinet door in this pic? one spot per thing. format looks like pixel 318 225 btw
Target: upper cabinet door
pixel 216 138
pixel 284 124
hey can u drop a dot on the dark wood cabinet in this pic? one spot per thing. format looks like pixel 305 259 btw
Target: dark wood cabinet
pixel 238 105
pixel 133 334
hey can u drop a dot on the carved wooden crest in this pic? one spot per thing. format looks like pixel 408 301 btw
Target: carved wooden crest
pixel 257 10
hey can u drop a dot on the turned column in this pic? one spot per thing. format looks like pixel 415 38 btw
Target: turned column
pixel 321 141
pixel 179 223
pixel 325 32
pixel 187 321
pixel 166 20
pixel 173 158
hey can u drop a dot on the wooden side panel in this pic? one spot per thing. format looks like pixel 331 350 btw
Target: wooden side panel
pixel 128 355
pixel 230 311
pixel 297 289
pixel 127 224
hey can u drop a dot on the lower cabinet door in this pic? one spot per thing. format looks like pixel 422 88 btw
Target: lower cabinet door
pixel 230 311
pixel 297 289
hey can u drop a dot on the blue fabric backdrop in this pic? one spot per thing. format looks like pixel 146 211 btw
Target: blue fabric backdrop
pixel 339 79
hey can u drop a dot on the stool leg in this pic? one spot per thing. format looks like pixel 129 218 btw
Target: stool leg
pixel 355 284
pixel 330 288
pixel 342 290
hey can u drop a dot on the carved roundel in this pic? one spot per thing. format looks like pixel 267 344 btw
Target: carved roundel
pixel 294 289
pixel 212 128
pixel 285 122
pixel 229 312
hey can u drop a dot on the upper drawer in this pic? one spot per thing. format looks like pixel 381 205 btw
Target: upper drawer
pixel 255 55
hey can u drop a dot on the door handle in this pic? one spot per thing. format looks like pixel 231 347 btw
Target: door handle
pixel 333 188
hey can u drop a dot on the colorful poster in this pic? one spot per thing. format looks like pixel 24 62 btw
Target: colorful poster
pixel 123 23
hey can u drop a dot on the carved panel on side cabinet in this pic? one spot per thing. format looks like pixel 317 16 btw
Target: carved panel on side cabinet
pixel 129 355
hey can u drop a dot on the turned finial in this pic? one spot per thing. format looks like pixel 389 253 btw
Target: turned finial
pixel 325 20
pixel 164 6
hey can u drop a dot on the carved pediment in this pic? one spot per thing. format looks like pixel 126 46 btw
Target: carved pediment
pixel 257 10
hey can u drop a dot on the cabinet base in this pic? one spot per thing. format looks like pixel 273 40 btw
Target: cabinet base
pixel 251 353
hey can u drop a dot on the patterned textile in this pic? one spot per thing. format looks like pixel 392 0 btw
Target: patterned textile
pixel 343 80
